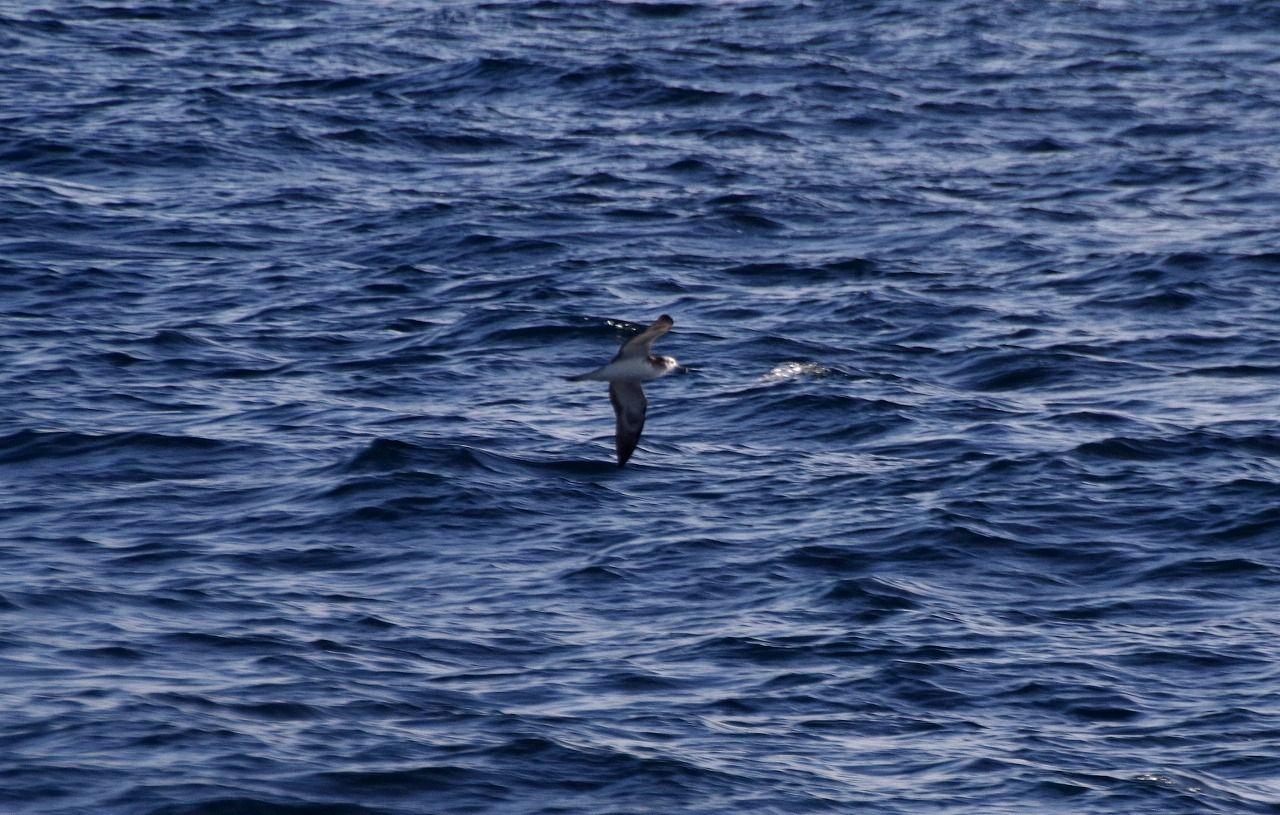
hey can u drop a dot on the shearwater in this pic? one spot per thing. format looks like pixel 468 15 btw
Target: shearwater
pixel 624 373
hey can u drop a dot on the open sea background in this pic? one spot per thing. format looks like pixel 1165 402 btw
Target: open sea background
pixel 971 503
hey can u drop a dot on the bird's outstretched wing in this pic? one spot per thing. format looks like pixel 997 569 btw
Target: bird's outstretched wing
pixel 629 404
pixel 640 344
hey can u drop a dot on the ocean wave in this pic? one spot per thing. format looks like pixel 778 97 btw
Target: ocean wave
pixel 967 502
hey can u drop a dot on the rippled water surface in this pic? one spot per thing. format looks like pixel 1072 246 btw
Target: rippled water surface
pixel 969 504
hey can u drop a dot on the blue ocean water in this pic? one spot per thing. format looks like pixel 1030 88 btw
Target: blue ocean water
pixel 970 503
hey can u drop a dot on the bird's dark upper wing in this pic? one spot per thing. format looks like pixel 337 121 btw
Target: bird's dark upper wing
pixel 629 404
pixel 640 344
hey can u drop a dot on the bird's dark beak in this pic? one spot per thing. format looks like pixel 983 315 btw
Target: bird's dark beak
pixel 682 369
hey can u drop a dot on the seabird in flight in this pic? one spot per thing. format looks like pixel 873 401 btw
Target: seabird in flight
pixel 624 373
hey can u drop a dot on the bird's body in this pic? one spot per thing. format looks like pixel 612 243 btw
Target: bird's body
pixel 628 369
pixel 624 373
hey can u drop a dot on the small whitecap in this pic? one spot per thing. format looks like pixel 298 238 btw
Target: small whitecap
pixel 792 370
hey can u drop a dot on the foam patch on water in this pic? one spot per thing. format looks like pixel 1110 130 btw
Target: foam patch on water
pixel 795 370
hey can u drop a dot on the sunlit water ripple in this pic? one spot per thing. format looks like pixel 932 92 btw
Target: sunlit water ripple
pixel 970 503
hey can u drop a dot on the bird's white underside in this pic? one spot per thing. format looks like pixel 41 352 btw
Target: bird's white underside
pixel 629 369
